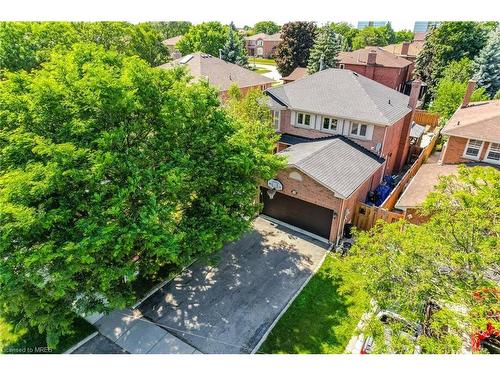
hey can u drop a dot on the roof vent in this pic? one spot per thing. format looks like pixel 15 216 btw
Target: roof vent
pixel 389 101
pixel 185 59
pixel 354 73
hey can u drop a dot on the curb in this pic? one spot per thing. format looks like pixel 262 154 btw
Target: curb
pixel 261 341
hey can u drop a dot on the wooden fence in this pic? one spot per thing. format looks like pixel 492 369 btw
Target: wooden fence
pixel 366 216
pixel 393 197
pixel 426 118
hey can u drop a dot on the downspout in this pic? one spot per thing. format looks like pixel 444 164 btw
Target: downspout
pixel 341 217
pixel 381 149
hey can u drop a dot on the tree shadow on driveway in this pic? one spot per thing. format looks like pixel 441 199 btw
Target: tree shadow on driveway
pixel 228 307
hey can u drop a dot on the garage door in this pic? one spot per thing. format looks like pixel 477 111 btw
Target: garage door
pixel 296 212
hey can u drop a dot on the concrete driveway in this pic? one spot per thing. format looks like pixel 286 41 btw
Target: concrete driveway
pixel 225 306
pixel 273 71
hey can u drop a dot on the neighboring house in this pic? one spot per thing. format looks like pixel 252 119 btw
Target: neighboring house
pixel 363 24
pixel 474 132
pixel 339 101
pixel 296 74
pixel 342 133
pixel 220 73
pixel 406 50
pixel 378 64
pixel 262 45
pixel 324 179
pixel 171 46
pixel 474 140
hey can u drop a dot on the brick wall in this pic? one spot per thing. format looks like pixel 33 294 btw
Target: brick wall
pixel 390 77
pixel 311 191
pixel 287 127
pixel 455 148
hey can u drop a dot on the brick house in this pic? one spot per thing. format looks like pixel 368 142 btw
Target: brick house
pixel 473 140
pixel 378 64
pixel 262 45
pixel 319 189
pixel 220 73
pixel 363 116
pixel 473 132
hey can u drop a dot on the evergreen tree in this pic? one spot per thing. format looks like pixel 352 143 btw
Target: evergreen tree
pixel 488 64
pixel 324 53
pixel 233 50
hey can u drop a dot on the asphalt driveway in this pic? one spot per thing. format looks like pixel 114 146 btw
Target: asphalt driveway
pixel 225 305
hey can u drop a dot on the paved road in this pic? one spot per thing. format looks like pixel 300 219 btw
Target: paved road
pixel 222 308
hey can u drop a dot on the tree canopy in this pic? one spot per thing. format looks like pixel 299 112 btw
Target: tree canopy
pixel 347 31
pixel 487 64
pixel 371 36
pixel 26 45
pixel 451 41
pixel 451 89
pixel 324 53
pixel 441 274
pixel 169 29
pixel 208 37
pixel 104 179
pixel 234 50
pixel 267 27
pixel 293 51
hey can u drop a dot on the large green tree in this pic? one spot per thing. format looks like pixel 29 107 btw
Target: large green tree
pixel 293 51
pixel 208 37
pixel 109 170
pixel 324 53
pixel 267 27
pixel 488 64
pixel 169 29
pixel 347 31
pixel 450 42
pixel 403 36
pixel 441 274
pixel 371 36
pixel 26 45
pixel 451 89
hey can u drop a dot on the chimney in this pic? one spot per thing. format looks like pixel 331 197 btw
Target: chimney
pixel 372 57
pixel 414 93
pixel 404 48
pixel 471 85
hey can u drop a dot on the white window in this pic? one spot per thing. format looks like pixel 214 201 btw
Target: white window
pixel 473 149
pixel 329 124
pixel 276 119
pixel 260 42
pixel 493 154
pixel 341 66
pixel 303 119
pixel 359 130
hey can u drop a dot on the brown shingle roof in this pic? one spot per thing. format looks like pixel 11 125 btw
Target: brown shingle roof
pixel 297 73
pixel 479 120
pixel 423 183
pixel 172 41
pixel 384 58
pixel 218 72
pixel 272 38
pixel 413 49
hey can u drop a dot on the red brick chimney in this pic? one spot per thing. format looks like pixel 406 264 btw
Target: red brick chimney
pixel 471 85
pixel 372 58
pixel 414 93
pixel 404 48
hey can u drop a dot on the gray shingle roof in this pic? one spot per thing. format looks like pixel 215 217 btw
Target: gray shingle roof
pixel 218 72
pixel 336 163
pixel 345 94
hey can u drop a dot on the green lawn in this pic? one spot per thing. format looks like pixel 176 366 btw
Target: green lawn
pixel 320 320
pixel 32 342
pixel 259 60
pixel 261 71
